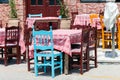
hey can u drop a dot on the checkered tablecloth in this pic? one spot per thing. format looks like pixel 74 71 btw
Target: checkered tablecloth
pixel 62 40
pixel 82 19
pixel 30 21
pixel 96 23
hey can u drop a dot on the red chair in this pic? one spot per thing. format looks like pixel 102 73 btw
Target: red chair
pixel 12 36
pixel 73 14
pixel 27 38
pixel 29 42
pixel 80 52
pixel 93 45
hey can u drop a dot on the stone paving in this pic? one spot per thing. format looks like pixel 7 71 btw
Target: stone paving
pixel 105 71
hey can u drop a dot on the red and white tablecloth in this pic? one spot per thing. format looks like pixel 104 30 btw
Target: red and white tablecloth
pixel 62 40
pixel 30 21
pixel 98 25
pixel 2 40
pixel 82 19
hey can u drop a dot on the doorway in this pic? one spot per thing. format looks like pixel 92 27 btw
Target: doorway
pixel 46 7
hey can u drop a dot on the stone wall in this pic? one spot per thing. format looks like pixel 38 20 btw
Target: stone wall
pixel 73 5
pixel 76 5
pixel 4 12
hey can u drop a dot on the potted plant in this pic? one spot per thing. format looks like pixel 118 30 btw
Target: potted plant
pixel 64 13
pixel 13 20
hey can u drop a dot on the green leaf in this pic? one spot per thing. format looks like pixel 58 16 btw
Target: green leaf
pixel 13 11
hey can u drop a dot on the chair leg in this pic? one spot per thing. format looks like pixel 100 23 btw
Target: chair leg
pixel 18 55
pixel 2 52
pixel 24 56
pixel 52 67
pixel 95 58
pixel 5 59
pixel 87 63
pixel 45 63
pixel 35 66
pixel 28 63
pixel 81 65
pixel 61 64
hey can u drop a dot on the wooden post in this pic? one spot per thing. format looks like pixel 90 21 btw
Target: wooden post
pixel 118 35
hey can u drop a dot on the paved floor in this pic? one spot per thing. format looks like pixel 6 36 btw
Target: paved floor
pixel 105 71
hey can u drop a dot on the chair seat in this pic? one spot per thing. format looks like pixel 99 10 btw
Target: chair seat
pixel 74 45
pixel 14 44
pixel 49 52
pixel 77 50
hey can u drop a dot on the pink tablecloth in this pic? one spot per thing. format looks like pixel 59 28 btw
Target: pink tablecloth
pixel 2 40
pixel 98 25
pixel 84 19
pixel 62 40
pixel 31 21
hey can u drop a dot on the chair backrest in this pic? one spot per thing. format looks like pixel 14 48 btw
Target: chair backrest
pixel 43 40
pixel 80 26
pixel 93 15
pixel 34 15
pixel 12 35
pixel 85 38
pixel 73 14
pixel 93 37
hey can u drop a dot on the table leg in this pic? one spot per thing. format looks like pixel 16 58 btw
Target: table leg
pixel 66 64
pixel 59 24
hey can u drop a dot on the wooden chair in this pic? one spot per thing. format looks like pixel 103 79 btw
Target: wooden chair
pixel 73 14
pixel 80 26
pixel 118 25
pixel 95 23
pixel 28 40
pixel 36 16
pixel 80 52
pixel 93 15
pixel 107 35
pixel 44 48
pixel 93 45
pixel 12 36
pixel 28 43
